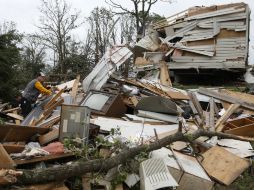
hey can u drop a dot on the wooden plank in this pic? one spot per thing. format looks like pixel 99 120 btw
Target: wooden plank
pixel 15 116
pixel 18 133
pixel 13 148
pixel 49 137
pixel 17 121
pixel 211 116
pixel 49 122
pixel 247 130
pixel 12 110
pixel 220 123
pixel 44 158
pixel 196 116
pixel 47 113
pixel 75 88
pixel 196 103
pixel 54 99
pixel 226 98
pixel 134 100
pixel 5 160
pixel 222 165
pixel 164 75
pixel 169 94
pixel 52 107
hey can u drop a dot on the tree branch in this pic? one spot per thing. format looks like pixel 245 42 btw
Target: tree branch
pixel 80 167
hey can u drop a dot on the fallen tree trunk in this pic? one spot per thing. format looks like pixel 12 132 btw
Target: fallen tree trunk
pixel 80 167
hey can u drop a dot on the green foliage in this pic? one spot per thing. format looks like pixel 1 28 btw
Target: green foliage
pixel 120 178
pixel 153 17
pixel 9 62
pixel 2 120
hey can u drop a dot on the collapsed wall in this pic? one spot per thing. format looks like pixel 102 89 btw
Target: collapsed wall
pixel 200 38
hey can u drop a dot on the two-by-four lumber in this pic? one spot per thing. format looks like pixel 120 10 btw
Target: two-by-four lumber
pixel 12 110
pixel 49 137
pixel 53 100
pixel 196 103
pixel 47 113
pixel 226 98
pixel 220 123
pixel 75 88
pixel 196 116
pixel 211 115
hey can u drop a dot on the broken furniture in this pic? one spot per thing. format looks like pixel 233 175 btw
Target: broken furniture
pixel 241 127
pixel 104 103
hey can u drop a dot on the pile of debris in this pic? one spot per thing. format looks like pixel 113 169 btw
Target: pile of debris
pixel 198 40
pixel 173 138
pixel 129 132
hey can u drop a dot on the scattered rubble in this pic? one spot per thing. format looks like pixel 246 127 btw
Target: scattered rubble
pixel 140 132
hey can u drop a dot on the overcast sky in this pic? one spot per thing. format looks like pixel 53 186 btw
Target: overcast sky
pixel 25 13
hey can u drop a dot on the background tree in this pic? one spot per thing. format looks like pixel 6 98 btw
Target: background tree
pixel 140 11
pixel 102 30
pixel 57 22
pixel 10 60
pixel 33 57
pixel 127 29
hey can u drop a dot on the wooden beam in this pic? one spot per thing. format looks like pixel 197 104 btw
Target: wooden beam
pixel 49 137
pixel 196 115
pixel 12 110
pixel 75 89
pixel 13 148
pixel 226 98
pixel 5 160
pixel 17 133
pixel 53 100
pixel 196 103
pixel 164 74
pixel 211 115
pixel 220 123
pixel 44 158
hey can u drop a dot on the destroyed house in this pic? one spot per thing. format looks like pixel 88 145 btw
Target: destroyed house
pixel 201 39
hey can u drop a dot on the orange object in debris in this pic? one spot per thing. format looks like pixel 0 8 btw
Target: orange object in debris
pixel 54 148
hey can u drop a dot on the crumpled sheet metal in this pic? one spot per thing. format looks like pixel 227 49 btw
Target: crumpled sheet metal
pixel 111 61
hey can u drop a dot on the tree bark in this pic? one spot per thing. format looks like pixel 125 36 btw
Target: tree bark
pixel 81 167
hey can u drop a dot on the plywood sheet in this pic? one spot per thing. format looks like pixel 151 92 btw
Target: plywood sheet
pixel 222 165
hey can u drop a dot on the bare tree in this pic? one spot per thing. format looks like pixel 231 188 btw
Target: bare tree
pixel 56 24
pixel 127 28
pixel 101 30
pixel 6 27
pixel 141 10
pixel 33 55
